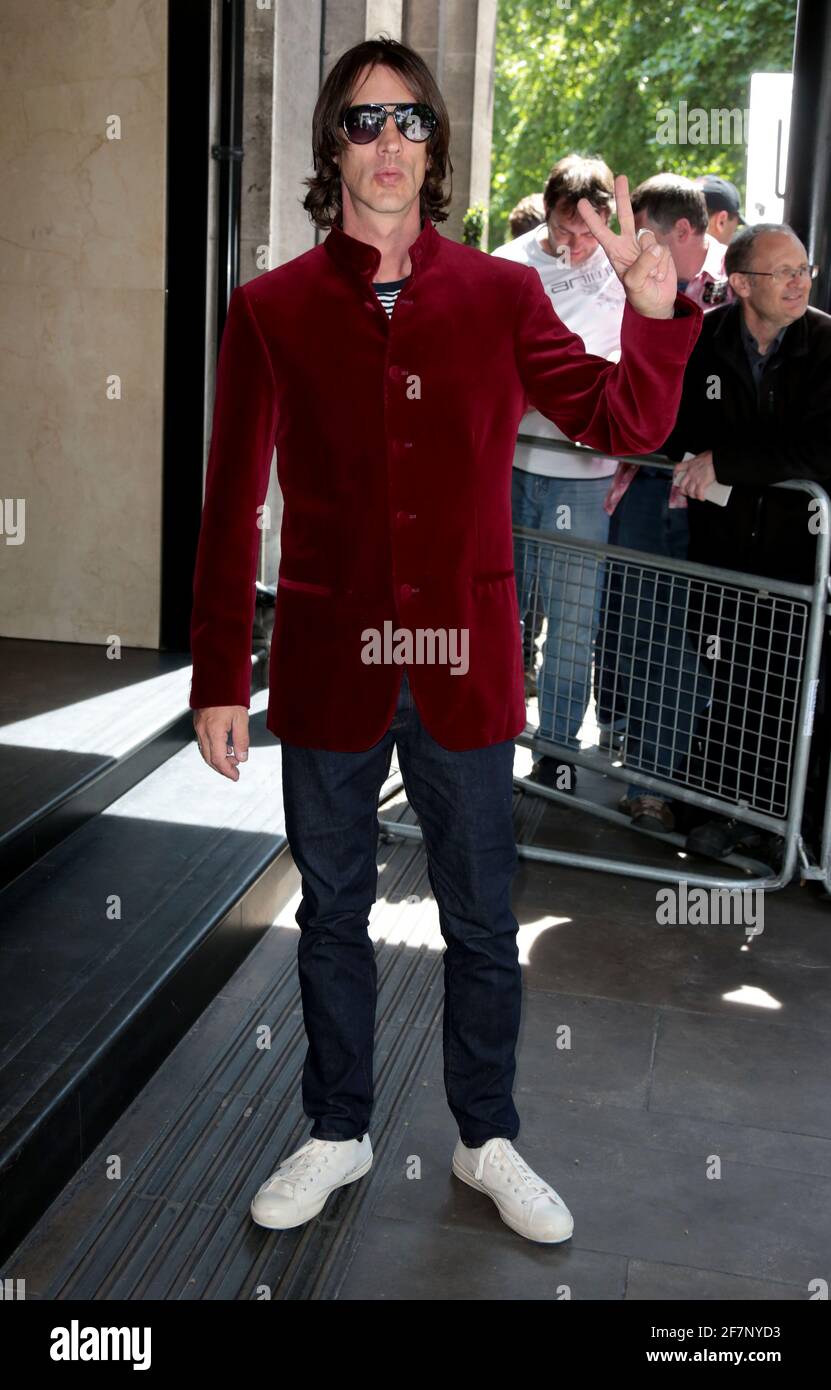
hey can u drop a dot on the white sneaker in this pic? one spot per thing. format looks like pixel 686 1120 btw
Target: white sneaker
pixel 526 1203
pixel 298 1190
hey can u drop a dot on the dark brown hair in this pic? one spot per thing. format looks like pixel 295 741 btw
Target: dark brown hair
pixel 665 198
pixel 579 176
pixel 323 202
pixel 528 213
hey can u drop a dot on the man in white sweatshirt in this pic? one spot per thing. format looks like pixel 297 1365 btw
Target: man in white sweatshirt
pixel 554 489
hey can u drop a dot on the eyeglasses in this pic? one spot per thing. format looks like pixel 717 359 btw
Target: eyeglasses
pixel 784 273
pixel 363 124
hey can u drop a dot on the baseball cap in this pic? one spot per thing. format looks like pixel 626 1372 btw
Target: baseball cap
pixel 720 195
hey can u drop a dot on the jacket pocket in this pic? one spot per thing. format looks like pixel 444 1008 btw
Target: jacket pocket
pixel 303 586
pixel 492 576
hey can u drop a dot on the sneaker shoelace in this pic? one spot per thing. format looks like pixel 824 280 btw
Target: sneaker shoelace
pixel 502 1154
pixel 300 1166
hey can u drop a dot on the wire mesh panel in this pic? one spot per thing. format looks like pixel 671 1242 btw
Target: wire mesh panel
pixel 679 677
pixel 697 683
pixel 560 591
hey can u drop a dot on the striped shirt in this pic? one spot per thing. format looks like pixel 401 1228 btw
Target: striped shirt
pixel 388 293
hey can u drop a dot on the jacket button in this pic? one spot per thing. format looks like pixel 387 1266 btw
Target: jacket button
pixel 407 589
pixel 403 517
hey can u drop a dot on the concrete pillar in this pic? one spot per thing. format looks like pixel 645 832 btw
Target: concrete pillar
pixel 384 16
pixel 456 38
pixel 82 261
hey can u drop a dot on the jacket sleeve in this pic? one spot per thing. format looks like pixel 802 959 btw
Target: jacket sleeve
pixel 236 482
pixel 625 407
pixel 775 455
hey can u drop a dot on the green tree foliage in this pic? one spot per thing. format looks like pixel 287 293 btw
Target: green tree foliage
pixel 591 75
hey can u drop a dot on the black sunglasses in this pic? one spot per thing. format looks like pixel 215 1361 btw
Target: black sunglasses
pixel 363 124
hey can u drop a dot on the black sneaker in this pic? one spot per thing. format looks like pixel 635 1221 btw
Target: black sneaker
pixel 717 838
pixel 552 772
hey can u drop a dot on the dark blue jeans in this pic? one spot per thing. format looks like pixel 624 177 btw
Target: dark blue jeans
pixel 463 801
pixel 570 590
pixel 652 673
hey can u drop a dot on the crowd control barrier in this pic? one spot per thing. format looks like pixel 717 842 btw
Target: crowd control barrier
pixel 696 684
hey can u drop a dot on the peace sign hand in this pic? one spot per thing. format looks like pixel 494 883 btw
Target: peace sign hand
pixel 645 269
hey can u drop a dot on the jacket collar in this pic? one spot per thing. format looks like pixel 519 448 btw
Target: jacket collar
pixel 358 257
pixel 727 340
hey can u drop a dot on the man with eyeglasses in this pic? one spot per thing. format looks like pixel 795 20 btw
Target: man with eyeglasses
pixel 394 424
pixel 756 410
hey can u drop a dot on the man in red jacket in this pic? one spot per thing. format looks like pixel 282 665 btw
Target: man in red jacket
pixel 391 366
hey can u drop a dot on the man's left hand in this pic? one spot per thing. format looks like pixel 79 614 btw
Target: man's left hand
pixel 695 475
pixel 645 269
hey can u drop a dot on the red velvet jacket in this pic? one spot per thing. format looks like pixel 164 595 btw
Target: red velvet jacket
pixel 395 442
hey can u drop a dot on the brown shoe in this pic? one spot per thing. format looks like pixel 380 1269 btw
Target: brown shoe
pixel 649 813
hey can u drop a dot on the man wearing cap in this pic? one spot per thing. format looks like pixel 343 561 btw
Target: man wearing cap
pixel 722 199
